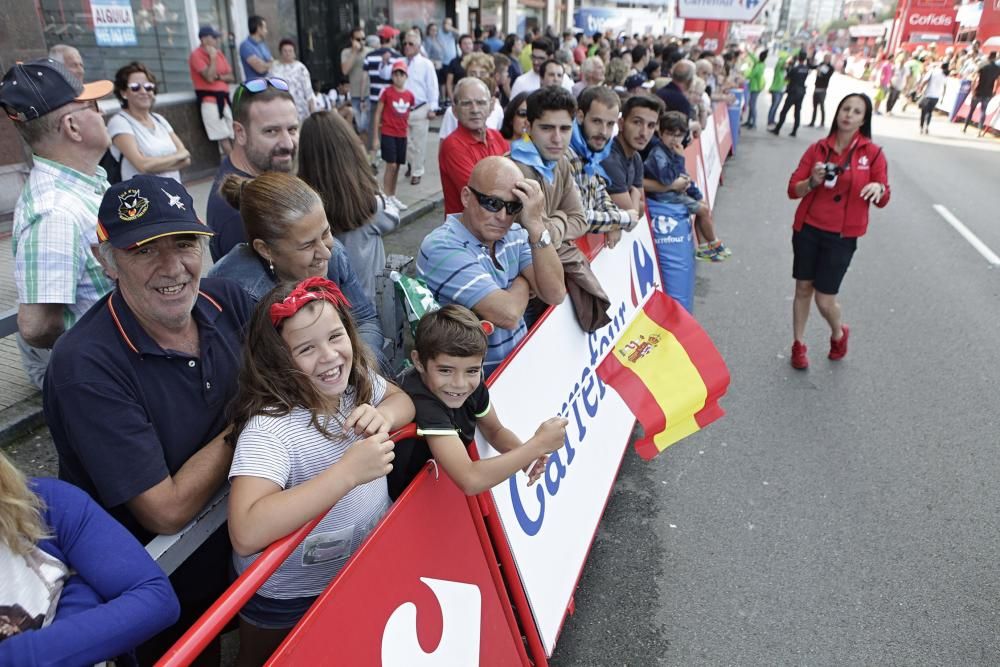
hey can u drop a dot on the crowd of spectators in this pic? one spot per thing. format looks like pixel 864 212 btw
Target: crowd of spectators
pixel 545 141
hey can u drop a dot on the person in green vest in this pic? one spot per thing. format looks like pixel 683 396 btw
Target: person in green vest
pixel 755 80
pixel 777 88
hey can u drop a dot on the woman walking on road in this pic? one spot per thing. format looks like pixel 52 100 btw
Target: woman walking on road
pixel 838 178
pixel 932 88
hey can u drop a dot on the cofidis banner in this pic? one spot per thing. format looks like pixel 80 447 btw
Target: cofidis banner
pixel 550 526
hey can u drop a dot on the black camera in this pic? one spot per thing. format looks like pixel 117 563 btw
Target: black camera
pixel 831 172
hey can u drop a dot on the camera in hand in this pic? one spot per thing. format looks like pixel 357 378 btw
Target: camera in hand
pixel 831 172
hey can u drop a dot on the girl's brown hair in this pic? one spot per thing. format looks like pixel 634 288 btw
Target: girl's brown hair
pixel 333 161
pixel 20 510
pixel 270 203
pixel 269 381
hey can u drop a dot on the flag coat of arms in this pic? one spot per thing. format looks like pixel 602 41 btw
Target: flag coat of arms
pixel 668 372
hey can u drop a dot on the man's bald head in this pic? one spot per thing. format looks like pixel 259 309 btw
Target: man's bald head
pixel 682 72
pixel 495 175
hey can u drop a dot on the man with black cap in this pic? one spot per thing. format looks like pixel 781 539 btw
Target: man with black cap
pixel 56 274
pixel 136 392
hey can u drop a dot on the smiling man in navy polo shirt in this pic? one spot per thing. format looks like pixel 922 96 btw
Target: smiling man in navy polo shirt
pixel 136 392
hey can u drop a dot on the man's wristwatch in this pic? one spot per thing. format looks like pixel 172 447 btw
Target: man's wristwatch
pixel 544 241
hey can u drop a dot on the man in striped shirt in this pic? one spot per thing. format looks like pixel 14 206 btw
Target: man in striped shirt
pixel 55 219
pixel 481 260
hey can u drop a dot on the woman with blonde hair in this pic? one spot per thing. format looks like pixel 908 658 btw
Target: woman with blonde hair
pixel 359 214
pixel 289 240
pixel 78 589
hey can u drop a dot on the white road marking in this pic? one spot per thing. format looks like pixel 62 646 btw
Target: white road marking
pixel 967 234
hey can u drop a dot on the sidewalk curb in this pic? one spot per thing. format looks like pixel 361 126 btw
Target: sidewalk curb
pixel 26 416
pixel 21 419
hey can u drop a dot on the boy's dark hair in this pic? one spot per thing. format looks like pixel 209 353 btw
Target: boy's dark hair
pixel 550 98
pixel 453 330
pixel 673 121
pixel 254 23
pixel 602 94
pixel 642 102
pixel 638 53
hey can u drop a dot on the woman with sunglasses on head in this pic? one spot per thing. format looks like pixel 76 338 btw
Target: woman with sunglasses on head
pixel 144 141
pixel 838 178
pixel 515 118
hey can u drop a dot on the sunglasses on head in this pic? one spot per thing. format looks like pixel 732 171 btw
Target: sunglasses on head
pixel 494 204
pixel 148 87
pixel 255 86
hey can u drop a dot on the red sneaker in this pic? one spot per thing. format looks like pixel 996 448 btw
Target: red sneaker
pixel 799 359
pixel 838 348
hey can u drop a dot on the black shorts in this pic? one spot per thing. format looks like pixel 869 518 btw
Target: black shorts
pixel 393 149
pixel 822 257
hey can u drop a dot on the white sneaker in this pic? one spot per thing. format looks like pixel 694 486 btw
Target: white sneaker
pixel 400 205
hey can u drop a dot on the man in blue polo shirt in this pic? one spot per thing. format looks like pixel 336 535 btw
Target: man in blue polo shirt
pixel 481 260
pixel 136 393
pixel 254 54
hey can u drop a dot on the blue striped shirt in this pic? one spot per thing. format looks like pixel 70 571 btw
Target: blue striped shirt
pixel 458 268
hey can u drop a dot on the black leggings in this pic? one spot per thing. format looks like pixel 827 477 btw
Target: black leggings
pixel 793 98
pixel 819 101
pixel 927 110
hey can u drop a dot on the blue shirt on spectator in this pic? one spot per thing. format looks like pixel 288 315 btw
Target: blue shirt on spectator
pixel 222 218
pixel 458 269
pixel 251 47
pixel 664 166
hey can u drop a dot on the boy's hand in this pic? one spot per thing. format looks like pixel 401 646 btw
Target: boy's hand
pixel 551 434
pixel 367 420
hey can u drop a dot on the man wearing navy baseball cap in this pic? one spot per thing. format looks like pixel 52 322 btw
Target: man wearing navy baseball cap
pixel 136 392
pixel 56 274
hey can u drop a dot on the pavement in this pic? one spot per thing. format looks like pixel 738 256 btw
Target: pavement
pixel 20 402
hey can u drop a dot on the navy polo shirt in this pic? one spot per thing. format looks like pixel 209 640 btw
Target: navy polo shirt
pixel 125 413
pixel 675 99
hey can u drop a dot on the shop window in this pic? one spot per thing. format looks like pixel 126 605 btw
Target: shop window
pixel 112 33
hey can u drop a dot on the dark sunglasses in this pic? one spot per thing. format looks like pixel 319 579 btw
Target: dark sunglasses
pixel 409 43
pixel 255 86
pixel 494 204
pixel 148 87
pixel 521 113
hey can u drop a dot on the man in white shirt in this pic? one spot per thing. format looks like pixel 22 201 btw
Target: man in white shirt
pixel 529 82
pixel 422 82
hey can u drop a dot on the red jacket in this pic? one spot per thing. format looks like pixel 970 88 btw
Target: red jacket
pixel 840 208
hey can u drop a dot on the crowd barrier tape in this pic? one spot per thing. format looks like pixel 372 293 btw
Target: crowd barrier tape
pixel 425 587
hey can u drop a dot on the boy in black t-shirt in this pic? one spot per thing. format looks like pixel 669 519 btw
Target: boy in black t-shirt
pixel 446 385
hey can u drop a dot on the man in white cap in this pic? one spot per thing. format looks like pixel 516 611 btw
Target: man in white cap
pixel 56 273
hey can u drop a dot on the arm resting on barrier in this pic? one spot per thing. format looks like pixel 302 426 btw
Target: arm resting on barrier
pixel 505 308
pixel 394 411
pixel 40 324
pixel 167 507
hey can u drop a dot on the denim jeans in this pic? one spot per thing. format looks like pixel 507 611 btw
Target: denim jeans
pixel 752 109
pixel 775 105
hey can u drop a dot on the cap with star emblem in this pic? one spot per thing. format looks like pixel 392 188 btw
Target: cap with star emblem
pixel 145 208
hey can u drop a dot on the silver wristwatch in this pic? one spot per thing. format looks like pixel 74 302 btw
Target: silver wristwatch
pixel 544 241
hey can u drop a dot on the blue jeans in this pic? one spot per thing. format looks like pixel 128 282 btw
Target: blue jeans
pixel 775 105
pixel 752 109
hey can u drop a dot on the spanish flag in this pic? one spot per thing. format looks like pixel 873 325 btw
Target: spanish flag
pixel 666 369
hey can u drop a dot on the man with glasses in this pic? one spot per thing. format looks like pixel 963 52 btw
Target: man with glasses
pixel 477 259
pixel 56 273
pixel 422 82
pixel 471 141
pixel 266 126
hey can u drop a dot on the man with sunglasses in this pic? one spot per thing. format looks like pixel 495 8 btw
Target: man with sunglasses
pixel 471 141
pixel 266 126
pixel 480 260
pixel 56 273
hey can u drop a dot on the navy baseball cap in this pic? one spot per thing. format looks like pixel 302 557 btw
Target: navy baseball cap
pixel 145 208
pixel 32 89
pixel 208 30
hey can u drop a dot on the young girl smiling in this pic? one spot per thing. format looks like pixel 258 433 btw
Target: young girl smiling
pixel 311 424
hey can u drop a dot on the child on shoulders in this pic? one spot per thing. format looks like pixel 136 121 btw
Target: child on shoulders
pixel 666 180
pixel 311 424
pixel 451 400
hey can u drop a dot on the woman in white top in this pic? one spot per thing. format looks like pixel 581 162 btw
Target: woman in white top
pixel 297 75
pixel 932 88
pixel 144 141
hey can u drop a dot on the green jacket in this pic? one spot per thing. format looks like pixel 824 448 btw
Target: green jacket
pixel 778 82
pixel 756 76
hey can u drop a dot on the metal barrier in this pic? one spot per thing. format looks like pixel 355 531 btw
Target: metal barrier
pixel 8 322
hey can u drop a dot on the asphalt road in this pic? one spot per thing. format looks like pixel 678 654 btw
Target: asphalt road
pixel 846 515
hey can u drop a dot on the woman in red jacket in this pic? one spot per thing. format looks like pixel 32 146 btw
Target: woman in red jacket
pixel 838 178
